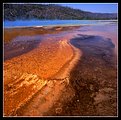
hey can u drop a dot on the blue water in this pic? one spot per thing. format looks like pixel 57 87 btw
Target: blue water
pixel 20 23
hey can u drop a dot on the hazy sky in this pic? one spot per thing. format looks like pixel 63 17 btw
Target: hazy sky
pixel 98 7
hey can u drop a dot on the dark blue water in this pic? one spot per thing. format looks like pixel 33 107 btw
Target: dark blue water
pixel 27 23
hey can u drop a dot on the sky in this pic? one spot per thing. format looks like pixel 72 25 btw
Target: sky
pixel 96 8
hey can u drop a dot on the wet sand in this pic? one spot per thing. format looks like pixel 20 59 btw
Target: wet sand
pixel 93 81
pixel 55 89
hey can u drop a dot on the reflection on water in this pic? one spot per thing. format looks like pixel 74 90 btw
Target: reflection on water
pixel 108 31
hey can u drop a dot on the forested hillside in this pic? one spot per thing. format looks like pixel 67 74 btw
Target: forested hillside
pixel 51 11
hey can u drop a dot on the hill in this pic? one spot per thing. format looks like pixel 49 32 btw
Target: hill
pixel 50 11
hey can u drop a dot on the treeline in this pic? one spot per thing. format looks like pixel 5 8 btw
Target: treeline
pixel 50 11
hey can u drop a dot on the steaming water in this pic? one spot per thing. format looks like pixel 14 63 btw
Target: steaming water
pixel 28 23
